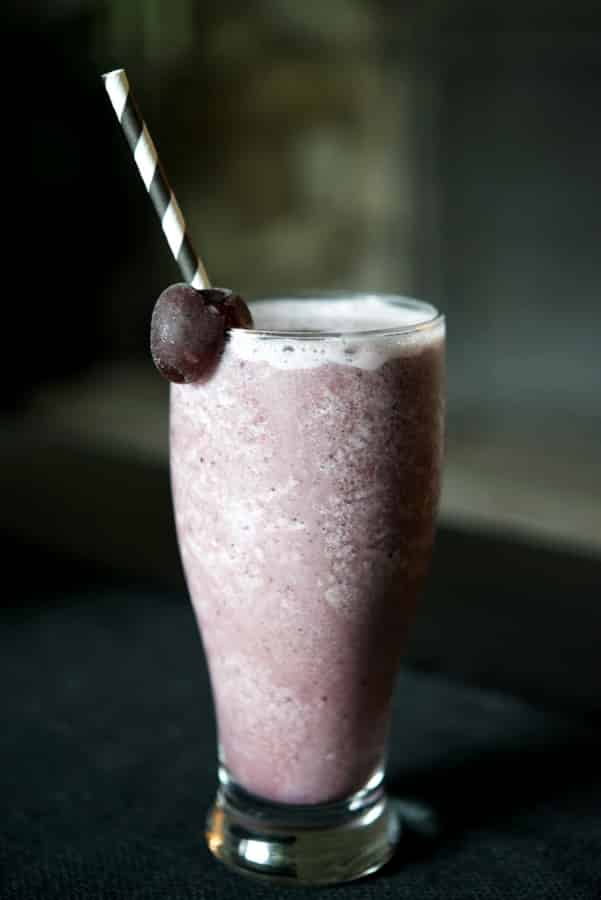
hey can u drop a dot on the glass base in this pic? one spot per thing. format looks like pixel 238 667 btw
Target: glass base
pixel 313 844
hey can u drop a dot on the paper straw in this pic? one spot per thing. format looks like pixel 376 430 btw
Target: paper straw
pixel 154 178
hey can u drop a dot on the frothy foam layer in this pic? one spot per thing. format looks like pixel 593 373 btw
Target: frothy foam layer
pixel 349 319
pixel 368 313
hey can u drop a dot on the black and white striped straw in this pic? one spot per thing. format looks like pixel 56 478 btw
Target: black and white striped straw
pixel 154 178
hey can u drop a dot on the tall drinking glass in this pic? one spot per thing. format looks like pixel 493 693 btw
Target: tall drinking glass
pixel 305 476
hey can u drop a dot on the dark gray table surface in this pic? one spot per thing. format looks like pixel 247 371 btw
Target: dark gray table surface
pixel 107 764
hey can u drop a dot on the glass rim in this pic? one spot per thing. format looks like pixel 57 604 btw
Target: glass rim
pixel 435 318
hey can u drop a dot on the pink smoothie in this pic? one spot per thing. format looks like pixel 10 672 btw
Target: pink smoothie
pixel 305 479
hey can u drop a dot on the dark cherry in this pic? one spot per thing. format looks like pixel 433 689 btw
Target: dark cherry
pixel 237 314
pixel 188 327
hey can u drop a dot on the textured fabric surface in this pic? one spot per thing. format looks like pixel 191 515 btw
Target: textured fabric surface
pixel 107 768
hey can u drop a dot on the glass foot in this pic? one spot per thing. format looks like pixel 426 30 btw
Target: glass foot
pixel 313 844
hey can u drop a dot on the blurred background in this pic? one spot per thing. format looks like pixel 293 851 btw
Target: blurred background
pixel 434 149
